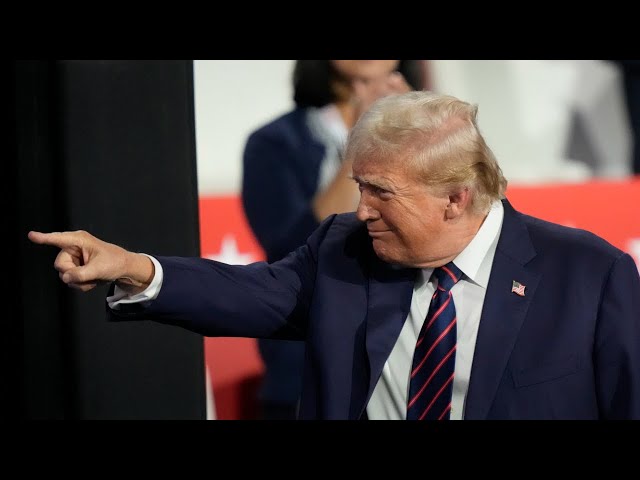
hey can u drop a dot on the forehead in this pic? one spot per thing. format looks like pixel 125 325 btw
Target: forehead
pixel 385 170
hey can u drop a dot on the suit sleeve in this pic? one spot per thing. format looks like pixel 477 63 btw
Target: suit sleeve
pixel 617 348
pixel 259 300
pixel 274 200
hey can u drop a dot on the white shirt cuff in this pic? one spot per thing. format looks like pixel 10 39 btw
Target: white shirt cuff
pixel 150 293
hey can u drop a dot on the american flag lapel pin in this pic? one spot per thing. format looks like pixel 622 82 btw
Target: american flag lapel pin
pixel 518 288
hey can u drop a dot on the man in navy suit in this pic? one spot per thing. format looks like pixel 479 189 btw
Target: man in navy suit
pixel 547 317
pixel 293 177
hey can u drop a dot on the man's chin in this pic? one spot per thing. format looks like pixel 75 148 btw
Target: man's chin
pixel 388 257
pixel 382 252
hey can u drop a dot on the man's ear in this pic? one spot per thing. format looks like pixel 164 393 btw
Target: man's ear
pixel 459 201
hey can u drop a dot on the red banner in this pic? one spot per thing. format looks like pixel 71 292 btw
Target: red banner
pixel 610 209
pixel 234 364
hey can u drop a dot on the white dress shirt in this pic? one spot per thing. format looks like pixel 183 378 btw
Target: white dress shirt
pixel 389 398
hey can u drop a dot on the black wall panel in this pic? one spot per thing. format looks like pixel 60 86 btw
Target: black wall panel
pixel 107 147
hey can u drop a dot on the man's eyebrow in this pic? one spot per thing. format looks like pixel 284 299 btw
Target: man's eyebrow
pixel 380 183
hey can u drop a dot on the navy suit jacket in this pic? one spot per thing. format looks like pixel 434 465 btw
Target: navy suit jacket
pixel 568 349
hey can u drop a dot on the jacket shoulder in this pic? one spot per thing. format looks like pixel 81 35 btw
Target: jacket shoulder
pixel 570 242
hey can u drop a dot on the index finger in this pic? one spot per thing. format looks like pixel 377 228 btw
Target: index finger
pixel 57 239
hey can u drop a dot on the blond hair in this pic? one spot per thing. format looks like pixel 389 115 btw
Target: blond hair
pixel 438 136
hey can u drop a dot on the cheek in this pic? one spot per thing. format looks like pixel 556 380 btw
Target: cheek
pixel 413 218
pixel 418 228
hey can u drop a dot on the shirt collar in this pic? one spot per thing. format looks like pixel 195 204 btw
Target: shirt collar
pixel 475 260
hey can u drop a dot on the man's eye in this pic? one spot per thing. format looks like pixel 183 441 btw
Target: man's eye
pixel 373 190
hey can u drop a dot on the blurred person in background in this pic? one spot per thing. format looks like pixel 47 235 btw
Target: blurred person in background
pixel 294 177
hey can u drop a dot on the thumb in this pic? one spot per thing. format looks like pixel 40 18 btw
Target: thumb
pixel 80 275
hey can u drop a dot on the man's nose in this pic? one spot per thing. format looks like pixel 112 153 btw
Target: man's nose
pixel 364 211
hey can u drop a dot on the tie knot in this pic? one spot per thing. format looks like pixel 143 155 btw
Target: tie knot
pixel 447 275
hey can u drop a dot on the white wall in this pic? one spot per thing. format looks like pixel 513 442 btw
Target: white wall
pixel 526 109
pixel 232 98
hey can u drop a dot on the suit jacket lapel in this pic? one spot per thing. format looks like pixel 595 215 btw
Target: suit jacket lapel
pixel 389 301
pixel 502 314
